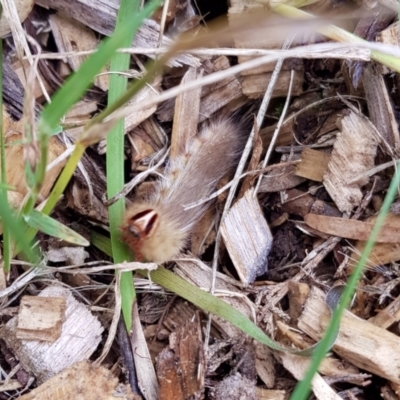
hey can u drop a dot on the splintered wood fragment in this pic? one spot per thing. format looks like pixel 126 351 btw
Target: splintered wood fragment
pixel 180 366
pixel 72 36
pixel 247 237
pixel 353 153
pixel 80 336
pixel 254 86
pixel 313 164
pixel 359 342
pixel 101 17
pixel 388 316
pixel 186 115
pixel 82 381
pixel 353 229
pixel 380 107
pixel 40 318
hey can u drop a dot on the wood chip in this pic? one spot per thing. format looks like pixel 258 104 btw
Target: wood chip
pixel 180 366
pixel 82 381
pixel 382 253
pixel 282 177
pixel 361 343
pixel 313 164
pixel 353 229
pixel 388 316
pixel 80 336
pixel 70 35
pixel 266 394
pixel 254 86
pixel 40 318
pixel 380 108
pixel 186 115
pixel 23 8
pixel 353 153
pixel 298 366
pixel 247 237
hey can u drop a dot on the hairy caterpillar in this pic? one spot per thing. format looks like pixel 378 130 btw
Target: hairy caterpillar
pixel 158 227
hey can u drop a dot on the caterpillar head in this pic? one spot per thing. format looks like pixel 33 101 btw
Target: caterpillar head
pixel 138 228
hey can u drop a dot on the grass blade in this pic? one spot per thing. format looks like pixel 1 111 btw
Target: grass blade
pixel 52 227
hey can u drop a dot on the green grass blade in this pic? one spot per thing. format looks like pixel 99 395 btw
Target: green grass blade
pixel 52 227
pixel 115 162
pixel 17 228
pixel 3 192
pixel 302 389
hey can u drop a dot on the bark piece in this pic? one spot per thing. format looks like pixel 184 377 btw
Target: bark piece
pixel 179 365
pixel 13 91
pixel 101 17
pixel 301 203
pixel 80 336
pixel 186 115
pixel 380 108
pixel 254 86
pixel 313 164
pixel 247 237
pixel 353 153
pixel 361 343
pixel 82 381
pixel 40 318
